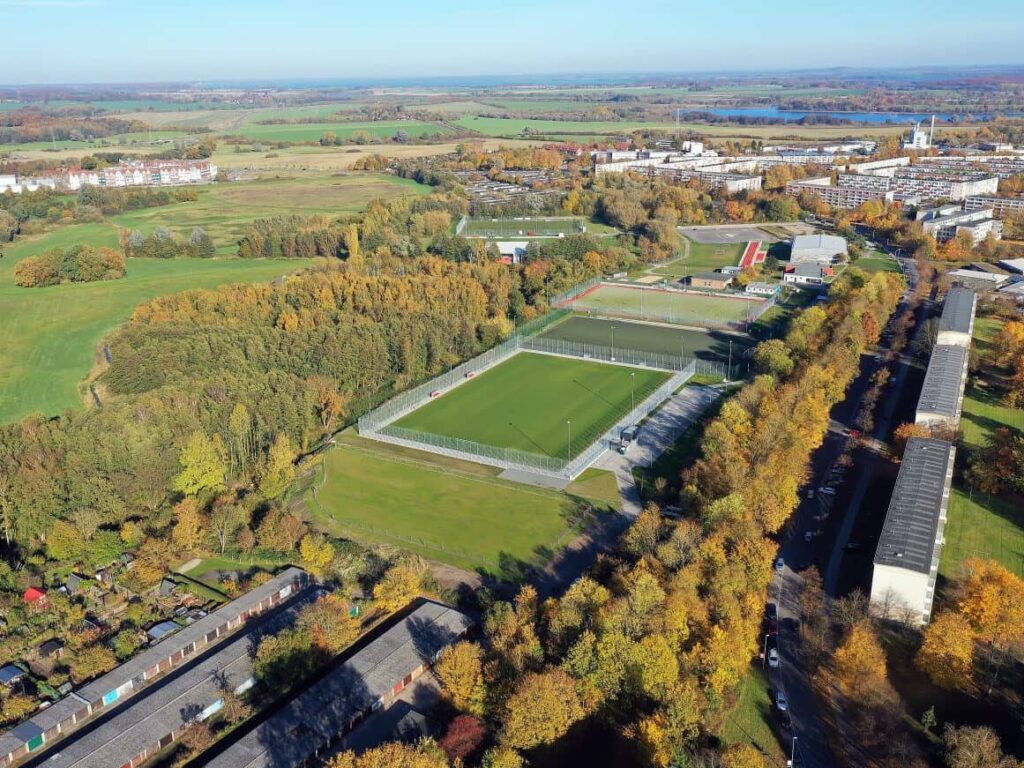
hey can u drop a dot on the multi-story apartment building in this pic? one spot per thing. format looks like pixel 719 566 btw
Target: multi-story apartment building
pixel 1002 166
pixel 836 196
pixel 979 224
pixel 1000 206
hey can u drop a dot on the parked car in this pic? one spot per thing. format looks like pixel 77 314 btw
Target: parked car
pixel 854 546
pixel 773 658
pixel 827 491
pixel 809 536
pixel 781 703
pixel 772 611
pixel 780 565
pixel 810 493
pixel 785 721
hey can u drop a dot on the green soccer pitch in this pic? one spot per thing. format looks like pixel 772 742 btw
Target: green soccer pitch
pixel 527 402
pixel 666 306
pixel 523 227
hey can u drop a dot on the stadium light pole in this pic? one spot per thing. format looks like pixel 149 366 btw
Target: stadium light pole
pixel 613 342
pixel 728 371
pixel 569 424
pixel 632 391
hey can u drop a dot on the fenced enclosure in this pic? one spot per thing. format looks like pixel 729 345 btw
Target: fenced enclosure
pixel 567 467
pixel 526 227
pixel 638 358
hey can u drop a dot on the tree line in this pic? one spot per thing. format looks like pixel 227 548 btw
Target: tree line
pixel 77 264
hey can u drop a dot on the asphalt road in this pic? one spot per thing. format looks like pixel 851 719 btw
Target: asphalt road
pixel 811 748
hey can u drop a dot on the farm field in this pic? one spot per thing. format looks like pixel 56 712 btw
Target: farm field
pixel 313 131
pixel 525 403
pixel 667 306
pixel 442 509
pixel 504 126
pixel 705 345
pixel 154 141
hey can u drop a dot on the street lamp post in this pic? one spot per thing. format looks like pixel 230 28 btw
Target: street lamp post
pixel 792 755
pixel 764 651
pixel 728 371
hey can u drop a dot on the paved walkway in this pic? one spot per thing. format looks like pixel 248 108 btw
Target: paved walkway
pixel 659 432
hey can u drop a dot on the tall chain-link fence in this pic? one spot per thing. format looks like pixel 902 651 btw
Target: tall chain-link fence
pixel 625 356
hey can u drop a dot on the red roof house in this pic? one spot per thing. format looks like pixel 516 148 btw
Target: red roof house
pixel 34 596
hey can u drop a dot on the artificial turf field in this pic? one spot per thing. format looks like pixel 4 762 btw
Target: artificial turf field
pixel 533 227
pixel 704 345
pixel 525 403
pixel 667 306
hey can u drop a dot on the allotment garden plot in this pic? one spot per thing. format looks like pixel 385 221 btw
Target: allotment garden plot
pixel 666 305
pixel 537 403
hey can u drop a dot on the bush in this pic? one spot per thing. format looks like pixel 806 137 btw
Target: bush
pixel 78 264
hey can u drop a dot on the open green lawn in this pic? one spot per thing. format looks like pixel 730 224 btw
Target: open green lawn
pixel 750 720
pixel 876 261
pixel 49 336
pixel 983 526
pixel 525 403
pixel 703 257
pixel 667 306
pixel 705 345
pixel 984 411
pixel 505 126
pixel 442 509
pixel 313 131
pixel 224 210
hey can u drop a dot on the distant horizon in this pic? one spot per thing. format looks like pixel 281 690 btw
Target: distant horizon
pixel 562 78
pixel 95 42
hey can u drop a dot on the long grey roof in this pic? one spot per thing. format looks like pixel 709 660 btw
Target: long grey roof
pixel 312 719
pixel 944 381
pixel 958 310
pixel 151 715
pixel 911 526
pixel 47 718
pixel 139 663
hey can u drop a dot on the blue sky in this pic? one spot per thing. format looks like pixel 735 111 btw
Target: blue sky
pixel 54 41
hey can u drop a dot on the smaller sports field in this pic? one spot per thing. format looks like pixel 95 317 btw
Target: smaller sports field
pixel 532 227
pixel 644 337
pixel 533 402
pixel 681 307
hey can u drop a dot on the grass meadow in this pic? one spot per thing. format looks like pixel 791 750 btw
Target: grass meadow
pixel 50 335
pixel 443 509
pixel 526 403
pixel 703 257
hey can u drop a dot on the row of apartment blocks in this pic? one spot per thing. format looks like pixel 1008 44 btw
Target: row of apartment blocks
pixel 1003 166
pixel 127 173
pixel 947 221
pixel 67 715
pixel 905 184
pixel 906 562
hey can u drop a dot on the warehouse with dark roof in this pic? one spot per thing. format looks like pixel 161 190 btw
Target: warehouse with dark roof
pixel 956 325
pixel 942 394
pixel 906 561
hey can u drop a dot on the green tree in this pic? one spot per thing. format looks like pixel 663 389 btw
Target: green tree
pixel 280 469
pixel 201 466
